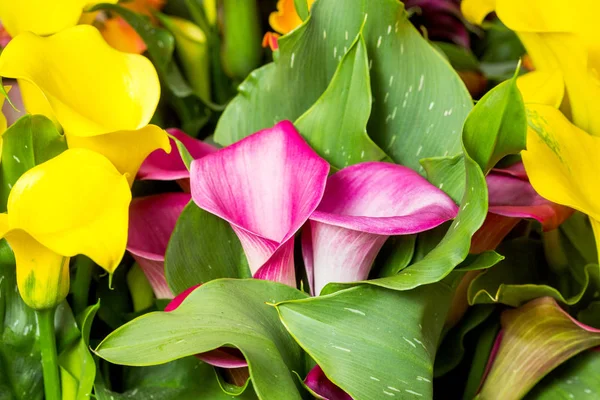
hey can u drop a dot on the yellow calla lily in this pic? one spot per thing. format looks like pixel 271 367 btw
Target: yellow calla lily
pixel 556 36
pixel 91 90
pixel 42 17
pixel 542 87
pixel 75 203
pixel 561 162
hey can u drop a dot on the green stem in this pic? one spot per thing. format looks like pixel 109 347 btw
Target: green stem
pixel 47 341
pixel 84 268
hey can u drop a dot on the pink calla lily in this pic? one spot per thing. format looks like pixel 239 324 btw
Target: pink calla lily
pixel 162 166
pixel 512 198
pixel 321 386
pixel 151 222
pixel 362 206
pixel 266 186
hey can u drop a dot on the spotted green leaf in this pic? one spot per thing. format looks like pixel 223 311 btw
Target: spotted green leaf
pixel 420 103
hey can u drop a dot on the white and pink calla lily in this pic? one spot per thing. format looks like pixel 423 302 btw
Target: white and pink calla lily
pixel 266 186
pixel 362 206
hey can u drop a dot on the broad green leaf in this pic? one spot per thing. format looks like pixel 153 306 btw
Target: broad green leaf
pixel 395 255
pixel 20 361
pixel 335 126
pixel 203 247
pixel 476 262
pixel 524 275
pixel 78 368
pixel 447 173
pixel 419 106
pixel 184 379
pixel 500 116
pixel 577 378
pixel 365 348
pixel 222 312
pixel 537 338
pixel 30 141
pixel 452 349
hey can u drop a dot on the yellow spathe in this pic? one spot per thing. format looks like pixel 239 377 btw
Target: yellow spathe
pixel 75 203
pixel 42 17
pixel 559 36
pixel 91 90
pixel 562 162
pixel 542 87
pixel 127 150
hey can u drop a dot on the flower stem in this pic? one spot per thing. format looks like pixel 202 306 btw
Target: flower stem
pixel 84 268
pixel 47 341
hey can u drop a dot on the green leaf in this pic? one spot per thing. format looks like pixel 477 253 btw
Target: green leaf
pixel 395 255
pixel 184 379
pixel 78 368
pixel 578 378
pixel 524 275
pixel 476 262
pixel 365 349
pixel 447 173
pixel 499 115
pixel 203 247
pixel 20 360
pixel 335 126
pixel 301 8
pixel 452 348
pixel 30 141
pixel 537 338
pixel 219 313
pixel 419 107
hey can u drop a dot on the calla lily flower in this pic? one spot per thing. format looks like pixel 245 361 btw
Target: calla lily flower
pixel 561 161
pixel 512 198
pixel 84 211
pixel 151 223
pixel 266 186
pixel 153 218
pixel 321 386
pixel 559 37
pixel 286 19
pixel 120 35
pixel 162 166
pixel 362 206
pixel 42 17
pixel 101 97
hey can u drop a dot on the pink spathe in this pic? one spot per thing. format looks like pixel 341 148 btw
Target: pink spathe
pixel 362 206
pixel 266 186
pixel 151 223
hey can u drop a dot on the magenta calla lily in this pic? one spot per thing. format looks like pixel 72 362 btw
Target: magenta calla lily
pixel 321 386
pixel 162 166
pixel 266 186
pixel 362 206
pixel 151 222
pixel 512 198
